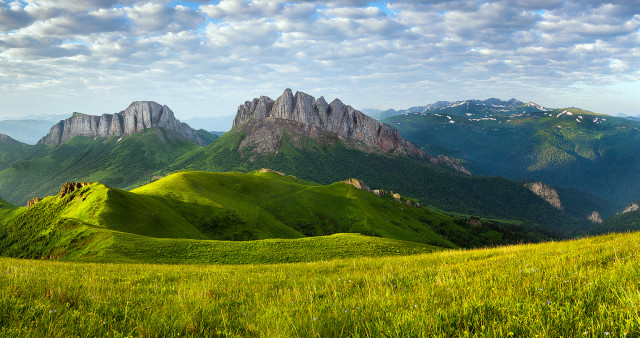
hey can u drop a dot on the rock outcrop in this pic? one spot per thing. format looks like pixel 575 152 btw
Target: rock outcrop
pixel 316 116
pixel 70 187
pixel 547 193
pixel 139 116
pixel 595 217
pixel 357 184
pixel 631 207
pixel 32 202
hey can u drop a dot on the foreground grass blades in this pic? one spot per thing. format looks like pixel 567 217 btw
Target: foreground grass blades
pixel 587 287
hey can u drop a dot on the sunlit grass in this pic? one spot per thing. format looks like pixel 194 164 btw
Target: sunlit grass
pixel 587 287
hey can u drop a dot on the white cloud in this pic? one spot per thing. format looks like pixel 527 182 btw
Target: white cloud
pixel 369 53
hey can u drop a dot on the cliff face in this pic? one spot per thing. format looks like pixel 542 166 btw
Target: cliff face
pixel 139 116
pixel 314 117
pixel 546 192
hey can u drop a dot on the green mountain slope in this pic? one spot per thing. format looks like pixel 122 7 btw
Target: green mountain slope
pixel 10 151
pixel 327 161
pixel 195 210
pixel 122 163
pixel 569 147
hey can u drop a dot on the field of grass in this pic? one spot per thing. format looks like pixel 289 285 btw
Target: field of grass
pixel 587 288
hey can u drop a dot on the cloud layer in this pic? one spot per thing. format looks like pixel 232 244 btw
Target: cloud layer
pixel 205 58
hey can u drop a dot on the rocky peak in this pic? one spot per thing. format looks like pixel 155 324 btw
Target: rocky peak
pixel 315 117
pixel 139 116
pixel 635 205
pixel 547 193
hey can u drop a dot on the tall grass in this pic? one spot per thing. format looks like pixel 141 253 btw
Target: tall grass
pixel 587 287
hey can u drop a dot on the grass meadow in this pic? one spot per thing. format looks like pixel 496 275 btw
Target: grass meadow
pixel 587 287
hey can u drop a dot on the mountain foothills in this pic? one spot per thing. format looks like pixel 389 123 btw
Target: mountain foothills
pixel 422 196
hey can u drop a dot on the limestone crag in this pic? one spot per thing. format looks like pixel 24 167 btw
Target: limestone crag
pixel 547 193
pixel 635 205
pixel 357 184
pixel 139 116
pixel 595 217
pixel 33 202
pixel 70 187
pixel 315 117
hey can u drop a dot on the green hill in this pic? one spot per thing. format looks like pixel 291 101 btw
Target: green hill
pixel 568 147
pixel 122 163
pixel 327 161
pixel 629 221
pixel 580 288
pixel 198 215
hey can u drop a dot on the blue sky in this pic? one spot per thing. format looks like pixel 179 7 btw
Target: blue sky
pixel 205 58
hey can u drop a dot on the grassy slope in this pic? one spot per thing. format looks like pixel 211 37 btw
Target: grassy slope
pixel 175 218
pixel 268 205
pixel 125 163
pixel 598 158
pixel 585 287
pixel 490 197
pixel 10 151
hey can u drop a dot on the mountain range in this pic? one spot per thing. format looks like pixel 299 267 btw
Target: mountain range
pixel 566 148
pixel 434 176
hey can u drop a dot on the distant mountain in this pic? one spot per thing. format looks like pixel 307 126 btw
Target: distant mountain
pixel 478 108
pixel 629 117
pixel 218 123
pixel 266 120
pixel 122 150
pixel 29 130
pixel 567 147
pixel 138 117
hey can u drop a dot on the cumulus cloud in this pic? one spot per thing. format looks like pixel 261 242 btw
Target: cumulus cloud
pixel 365 52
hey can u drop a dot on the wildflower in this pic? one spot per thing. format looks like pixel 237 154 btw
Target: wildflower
pixel 606 333
pixel 345 311
pixel 315 318
pixel 548 302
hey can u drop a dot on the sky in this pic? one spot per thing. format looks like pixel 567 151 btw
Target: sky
pixel 205 58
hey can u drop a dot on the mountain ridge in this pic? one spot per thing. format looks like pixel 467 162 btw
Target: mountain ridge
pixel 140 115
pixel 316 116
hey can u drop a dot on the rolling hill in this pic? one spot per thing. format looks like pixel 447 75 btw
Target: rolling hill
pixel 204 213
